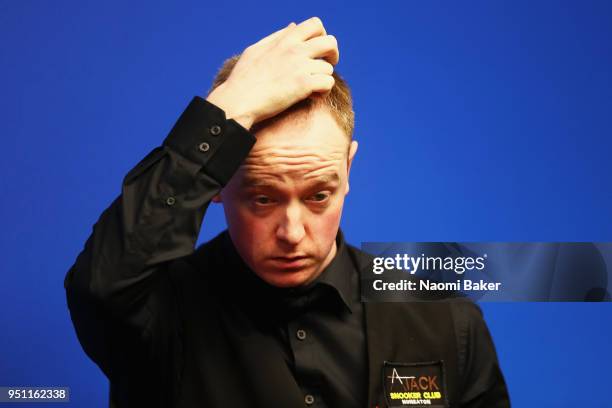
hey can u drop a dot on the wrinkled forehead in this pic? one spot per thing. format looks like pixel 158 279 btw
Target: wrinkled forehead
pixel 281 165
pixel 312 147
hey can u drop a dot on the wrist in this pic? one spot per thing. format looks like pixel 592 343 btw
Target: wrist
pixel 232 109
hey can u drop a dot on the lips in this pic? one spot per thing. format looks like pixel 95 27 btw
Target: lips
pixel 291 262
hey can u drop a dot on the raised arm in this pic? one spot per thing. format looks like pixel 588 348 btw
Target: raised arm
pixel 118 284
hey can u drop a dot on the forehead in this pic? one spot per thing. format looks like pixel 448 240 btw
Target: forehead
pixel 315 128
pixel 307 147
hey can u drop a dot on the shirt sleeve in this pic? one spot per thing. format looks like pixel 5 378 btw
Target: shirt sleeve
pixel 483 384
pixel 117 287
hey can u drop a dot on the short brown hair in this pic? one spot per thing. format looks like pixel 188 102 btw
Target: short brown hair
pixel 339 100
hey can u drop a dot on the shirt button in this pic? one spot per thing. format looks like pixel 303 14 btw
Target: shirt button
pixel 215 130
pixel 170 200
pixel 309 399
pixel 204 147
pixel 301 334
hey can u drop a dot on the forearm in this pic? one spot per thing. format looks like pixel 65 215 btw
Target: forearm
pixel 158 215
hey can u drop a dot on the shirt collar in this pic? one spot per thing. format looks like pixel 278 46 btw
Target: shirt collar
pixel 336 276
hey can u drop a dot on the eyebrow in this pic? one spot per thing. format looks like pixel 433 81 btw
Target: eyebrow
pixel 249 181
pixel 256 182
pixel 327 178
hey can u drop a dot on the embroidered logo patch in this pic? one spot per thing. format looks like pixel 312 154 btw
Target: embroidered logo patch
pixel 414 384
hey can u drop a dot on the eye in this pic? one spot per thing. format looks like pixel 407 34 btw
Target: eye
pixel 262 200
pixel 319 197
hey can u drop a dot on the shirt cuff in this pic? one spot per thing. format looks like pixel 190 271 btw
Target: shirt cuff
pixel 203 135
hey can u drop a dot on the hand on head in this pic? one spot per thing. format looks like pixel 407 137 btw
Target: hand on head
pixel 278 71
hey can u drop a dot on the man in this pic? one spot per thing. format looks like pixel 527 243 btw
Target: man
pixel 268 314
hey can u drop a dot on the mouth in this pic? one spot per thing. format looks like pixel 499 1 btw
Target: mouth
pixel 291 262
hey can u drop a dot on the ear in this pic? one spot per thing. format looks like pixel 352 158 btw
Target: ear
pixel 351 154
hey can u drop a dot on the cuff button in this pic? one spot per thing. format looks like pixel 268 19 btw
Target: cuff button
pixel 204 147
pixel 215 130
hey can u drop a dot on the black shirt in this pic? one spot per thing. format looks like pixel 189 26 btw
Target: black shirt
pixel 175 326
pixel 318 327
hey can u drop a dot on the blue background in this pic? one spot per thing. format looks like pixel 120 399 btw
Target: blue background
pixel 477 121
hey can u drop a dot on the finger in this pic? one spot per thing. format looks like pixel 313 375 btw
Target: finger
pixel 320 67
pixel 313 27
pixel 324 47
pixel 276 35
pixel 321 83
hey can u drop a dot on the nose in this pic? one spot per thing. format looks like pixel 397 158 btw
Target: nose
pixel 291 227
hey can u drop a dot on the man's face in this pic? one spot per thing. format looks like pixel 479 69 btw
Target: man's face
pixel 283 205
